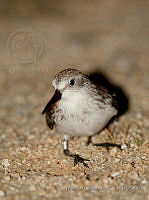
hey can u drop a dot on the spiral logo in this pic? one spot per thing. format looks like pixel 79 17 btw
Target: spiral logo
pixel 25 46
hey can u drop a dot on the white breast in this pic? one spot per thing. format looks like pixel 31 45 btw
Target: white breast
pixel 82 116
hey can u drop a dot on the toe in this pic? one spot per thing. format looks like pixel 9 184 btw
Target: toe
pixel 78 159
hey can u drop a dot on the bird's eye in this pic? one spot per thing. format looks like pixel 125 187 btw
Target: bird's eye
pixel 72 82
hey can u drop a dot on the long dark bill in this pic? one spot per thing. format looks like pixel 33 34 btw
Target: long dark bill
pixel 56 97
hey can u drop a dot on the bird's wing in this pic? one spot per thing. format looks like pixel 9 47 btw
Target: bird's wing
pixel 51 104
pixel 50 109
pixel 107 97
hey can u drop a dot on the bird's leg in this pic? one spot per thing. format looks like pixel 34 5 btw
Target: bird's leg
pixel 89 141
pixel 105 145
pixel 65 145
pixel 77 158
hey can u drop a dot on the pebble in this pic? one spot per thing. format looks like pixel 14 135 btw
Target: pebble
pixel 2 193
pixel 23 149
pixel 134 176
pixel 9 130
pixel 116 160
pixel 123 146
pixel 146 122
pixel 139 115
pixel 113 151
pixel 7 178
pixel 144 182
pixel 32 188
pixel 30 137
pixel 23 178
pixel 49 162
pixel 5 163
pixel 115 174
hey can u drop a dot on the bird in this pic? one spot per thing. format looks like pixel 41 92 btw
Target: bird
pixel 78 107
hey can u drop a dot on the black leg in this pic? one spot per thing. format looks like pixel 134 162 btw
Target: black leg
pixel 89 141
pixel 107 145
pixel 76 157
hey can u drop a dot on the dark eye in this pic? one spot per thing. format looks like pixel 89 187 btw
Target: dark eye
pixel 72 82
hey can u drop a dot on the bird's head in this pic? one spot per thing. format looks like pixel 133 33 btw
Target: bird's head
pixel 69 80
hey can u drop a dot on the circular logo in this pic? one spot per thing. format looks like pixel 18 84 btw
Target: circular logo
pixel 25 46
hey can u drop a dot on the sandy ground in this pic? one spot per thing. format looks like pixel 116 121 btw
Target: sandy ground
pixel 109 38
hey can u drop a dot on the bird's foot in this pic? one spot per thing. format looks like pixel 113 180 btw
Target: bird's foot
pixel 77 158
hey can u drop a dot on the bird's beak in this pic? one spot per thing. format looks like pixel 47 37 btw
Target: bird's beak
pixel 56 97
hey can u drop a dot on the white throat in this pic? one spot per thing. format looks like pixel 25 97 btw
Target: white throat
pixel 72 100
